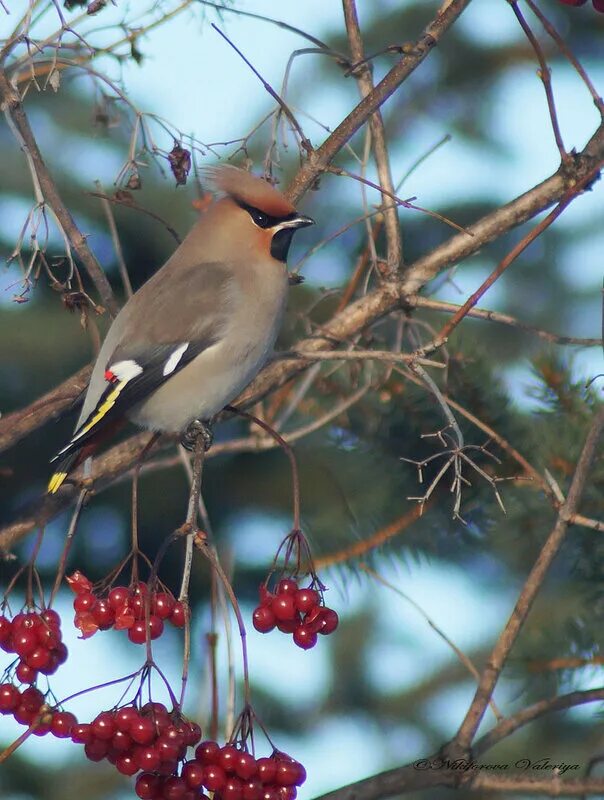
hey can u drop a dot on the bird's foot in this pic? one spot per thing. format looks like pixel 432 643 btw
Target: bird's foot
pixel 196 429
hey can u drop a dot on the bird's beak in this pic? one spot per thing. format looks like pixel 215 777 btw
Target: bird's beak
pixel 300 221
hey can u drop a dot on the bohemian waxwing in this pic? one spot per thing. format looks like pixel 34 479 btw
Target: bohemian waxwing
pixel 192 337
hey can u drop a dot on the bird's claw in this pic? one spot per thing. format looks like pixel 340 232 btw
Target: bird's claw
pixel 196 429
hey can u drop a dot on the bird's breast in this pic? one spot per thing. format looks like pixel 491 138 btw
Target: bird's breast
pixel 215 377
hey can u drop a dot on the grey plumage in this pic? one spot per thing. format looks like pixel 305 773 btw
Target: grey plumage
pixel 192 337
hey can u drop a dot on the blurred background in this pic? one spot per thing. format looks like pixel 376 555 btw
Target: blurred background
pixel 385 689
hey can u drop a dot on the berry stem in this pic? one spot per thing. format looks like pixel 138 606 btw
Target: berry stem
pixel 73 524
pixel 131 677
pixel 10 749
pixel 212 556
pixel 288 451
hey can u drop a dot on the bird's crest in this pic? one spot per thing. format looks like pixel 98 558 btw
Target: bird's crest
pixel 246 188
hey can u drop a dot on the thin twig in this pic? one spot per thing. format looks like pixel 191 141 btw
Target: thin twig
pixel 534 581
pixel 463 658
pixel 380 148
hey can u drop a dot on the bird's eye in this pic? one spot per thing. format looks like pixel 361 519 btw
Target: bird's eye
pixel 260 218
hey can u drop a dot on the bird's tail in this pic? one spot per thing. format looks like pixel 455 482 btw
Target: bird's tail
pixel 64 467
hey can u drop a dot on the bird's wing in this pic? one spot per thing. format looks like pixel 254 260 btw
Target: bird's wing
pixel 144 360
pixel 131 380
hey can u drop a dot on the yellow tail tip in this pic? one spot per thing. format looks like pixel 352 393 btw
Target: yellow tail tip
pixel 56 482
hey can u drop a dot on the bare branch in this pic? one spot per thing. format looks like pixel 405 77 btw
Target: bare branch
pixel 13 108
pixel 533 583
pixel 378 133
pixel 322 157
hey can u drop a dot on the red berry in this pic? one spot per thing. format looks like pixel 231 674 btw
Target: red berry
pixel 62 724
pixel 32 698
pixel 192 772
pixel 121 741
pixel 228 758
pixel 232 790
pixel 86 624
pixel 266 597
pixel 174 788
pixel 39 658
pixel 10 698
pixel 214 778
pixel 156 626
pixel 306 600
pixel 147 786
pixel 142 730
pixel 126 764
pixel 283 607
pixel 329 621
pixel 287 586
pixel 50 617
pixel 270 793
pixel 168 767
pixel 24 715
pixel 207 752
pixel 147 758
pixel 287 625
pixel 287 793
pixel 178 617
pixel 267 769
pixel 167 749
pixel 82 733
pixel 137 633
pixel 24 642
pixel 287 773
pixel 103 614
pixel 104 727
pixel 598 5
pixel 26 674
pixel 263 619
pixel 252 790
pixel 305 637
pixel 96 750
pixel 6 628
pixel 49 636
pixel 124 717
pixel 85 601
pixel 192 733
pixel 245 765
pixel 118 597
pixel 162 604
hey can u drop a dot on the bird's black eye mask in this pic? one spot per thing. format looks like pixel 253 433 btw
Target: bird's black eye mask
pixel 262 219
pixel 282 239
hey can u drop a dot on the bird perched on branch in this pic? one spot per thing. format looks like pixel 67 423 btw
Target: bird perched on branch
pixel 192 337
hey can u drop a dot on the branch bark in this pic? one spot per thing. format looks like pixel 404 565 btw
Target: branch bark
pixel 380 148
pixel 323 156
pixel 344 325
pixel 534 581
pixel 10 102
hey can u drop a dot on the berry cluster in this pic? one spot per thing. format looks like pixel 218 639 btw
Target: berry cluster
pixel 36 639
pixel 230 773
pixel 294 610
pixel 25 707
pixel 597 4
pixel 150 739
pixel 124 608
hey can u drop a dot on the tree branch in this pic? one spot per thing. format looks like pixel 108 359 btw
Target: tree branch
pixel 322 157
pixel 508 636
pixel 380 148
pixel 507 726
pixel 11 104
